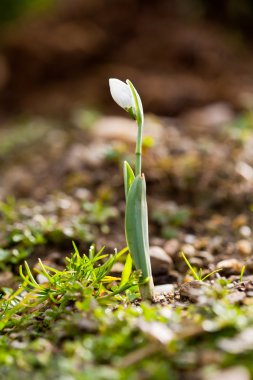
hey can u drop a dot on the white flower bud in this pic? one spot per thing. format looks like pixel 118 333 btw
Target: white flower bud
pixel 121 94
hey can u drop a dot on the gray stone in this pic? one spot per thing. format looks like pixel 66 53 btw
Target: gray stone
pixel 160 261
pixel 164 289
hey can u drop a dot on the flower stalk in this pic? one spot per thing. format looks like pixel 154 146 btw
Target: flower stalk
pixel 136 216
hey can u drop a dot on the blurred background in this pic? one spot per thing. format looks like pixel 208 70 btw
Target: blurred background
pixel 63 140
pixel 58 55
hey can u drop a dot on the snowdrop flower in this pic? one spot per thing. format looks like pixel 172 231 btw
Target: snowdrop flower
pixel 126 96
pixel 121 93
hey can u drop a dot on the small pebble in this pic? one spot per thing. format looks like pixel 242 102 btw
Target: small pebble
pixel 201 243
pixel 240 221
pixel 188 250
pixel 190 239
pixel 245 231
pixel 196 262
pixel 172 247
pixel 206 257
pixel 164 289
pixel 160 261
pixel 244 247
pixel 231 265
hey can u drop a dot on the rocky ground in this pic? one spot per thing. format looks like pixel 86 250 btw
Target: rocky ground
pixel 199 179
pixel 61 181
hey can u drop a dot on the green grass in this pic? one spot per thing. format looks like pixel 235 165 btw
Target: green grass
pixel 82 322
pixel 198 275
pixel 26 225
pixel 85 277
pixel 79 327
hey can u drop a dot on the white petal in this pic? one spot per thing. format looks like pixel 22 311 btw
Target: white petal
pixel 121 93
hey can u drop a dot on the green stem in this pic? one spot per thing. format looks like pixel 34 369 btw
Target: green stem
pixel 139 120
pixel 138 149
pixel 147 290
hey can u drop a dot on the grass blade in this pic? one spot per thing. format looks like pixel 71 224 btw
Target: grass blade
pixel 127 270
pixel 128 177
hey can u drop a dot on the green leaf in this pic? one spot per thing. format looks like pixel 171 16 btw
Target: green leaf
pixel 127 270
pixel 128 177
pixel 136 225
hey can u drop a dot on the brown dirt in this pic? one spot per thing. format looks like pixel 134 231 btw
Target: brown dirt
pixel 54 63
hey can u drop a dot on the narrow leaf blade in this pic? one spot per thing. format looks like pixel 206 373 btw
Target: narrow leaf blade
pixel 136 226
pixel 127 270
pixel 128 177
